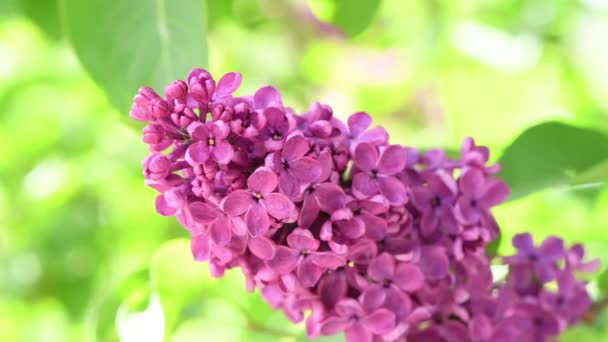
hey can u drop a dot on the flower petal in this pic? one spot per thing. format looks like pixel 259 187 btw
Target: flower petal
pixel 308 272
pixel 379 322
pixel 393 189
pixel 266 96
pixel 382 267
pixel 359 122
pixel 496 193
pixel 237 202
pixel 552 248
pixel 220 231
pixel 202 212
pixel 228 84
pixel 373 296
pixel 289 185
pixel 392 160
pixel 334 325
pixel 523 242
pixel 162 207
pixel 408 277
pixel 480 328
pixel 257 220
pixel 222 152
pixel 357 333
pixel 200 248
pixel 306 169
pixel 197 153
pixel 366 157
pixel 434 262
pixel 472 182
pixel 263 180
pixel 331 197
pixel 365 184
pixel 278 205
pixel 310 210
pixel 327 260
pixel 302 240
pixel 352 229
pixel 262 247
pixel 295 148
pixel 284 261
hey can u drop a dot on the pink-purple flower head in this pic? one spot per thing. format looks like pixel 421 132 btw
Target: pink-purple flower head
pixel 375 240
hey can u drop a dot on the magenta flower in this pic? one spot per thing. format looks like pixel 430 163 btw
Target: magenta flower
pixel 276 129
pixel 478 195
pixel 356 323
pixel 295 169
pixel 539 260
pixel 258 202
pixel 358 131
pixel 317 214
pixel 156 166
pixel 377 172
pixel 245 121
pixel 436 199
pixel 392 282
pixel 141 110
pixel 341 229
pixel 301 254
pixel 209 141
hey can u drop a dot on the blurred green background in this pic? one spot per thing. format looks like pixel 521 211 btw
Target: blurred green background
pixel 82 251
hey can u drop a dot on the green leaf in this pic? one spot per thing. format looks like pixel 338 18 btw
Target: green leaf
pixel 493 246
pixel 186 292
pixel 126 44
pixel 45 14
pixel 177 279
pixel 351 16
pixel 105 314
pixel 553 154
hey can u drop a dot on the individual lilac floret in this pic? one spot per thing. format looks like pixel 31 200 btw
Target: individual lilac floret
pixel 301 254
pixel 539 260
pixel 209 141
pixel 357 324
pixel 478 194
pixel 259 202
pixel 376 172
pixel 333 224
pixel 293 166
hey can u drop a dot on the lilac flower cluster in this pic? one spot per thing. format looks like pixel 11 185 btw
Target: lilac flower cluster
pixel 379 241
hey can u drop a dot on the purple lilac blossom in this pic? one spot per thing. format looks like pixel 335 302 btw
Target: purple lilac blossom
pixel 338 227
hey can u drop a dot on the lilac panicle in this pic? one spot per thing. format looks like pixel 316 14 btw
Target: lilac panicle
pixel 337 226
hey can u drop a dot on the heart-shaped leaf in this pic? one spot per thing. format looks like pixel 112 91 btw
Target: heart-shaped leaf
pixel 554 154
pixel 125 44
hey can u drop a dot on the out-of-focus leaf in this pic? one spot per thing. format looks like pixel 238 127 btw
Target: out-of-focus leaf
pixel 127 44
pixel 105 316
pixel 334 338
pixel 177 279
pixel 217 10
pixel 186 291
pixel 45 14
pixel 352 17
pixel 492 247
pixel 602 282
pixel 595 176
pixel 551 154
